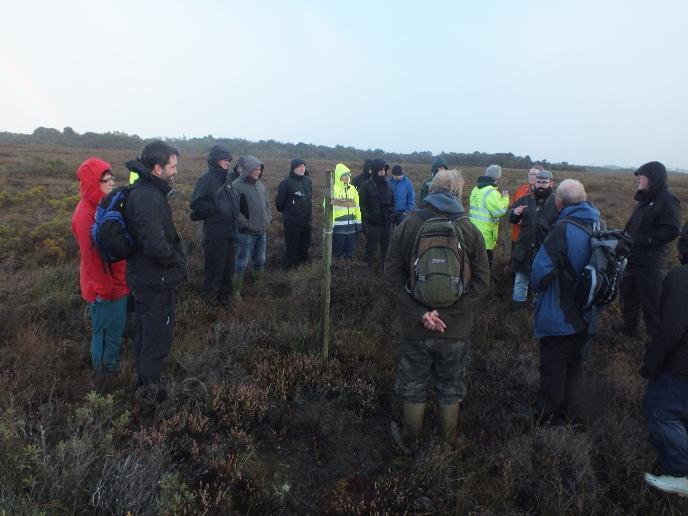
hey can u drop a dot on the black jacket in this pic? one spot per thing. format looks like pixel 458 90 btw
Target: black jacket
pixel 654 224
pixel 669 349
pixel 211 202
pixel 158 257
pixel 295 200
pixel 536 221
pixel 377 203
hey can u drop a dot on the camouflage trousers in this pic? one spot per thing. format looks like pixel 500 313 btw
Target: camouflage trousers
pixel 440 360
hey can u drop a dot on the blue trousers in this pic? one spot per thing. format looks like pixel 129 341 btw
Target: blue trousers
pixel 666 412
pixel 109 319
pixel 250 247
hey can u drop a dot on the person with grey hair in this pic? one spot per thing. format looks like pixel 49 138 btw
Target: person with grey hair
pixel 488 206
pixel 535 213
pixel 560 325
pixel 434 339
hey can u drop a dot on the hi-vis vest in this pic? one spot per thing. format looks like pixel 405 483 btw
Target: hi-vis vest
pixel 346 220
pixel 487 206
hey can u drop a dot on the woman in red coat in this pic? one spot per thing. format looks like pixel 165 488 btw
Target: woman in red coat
pixel 104 288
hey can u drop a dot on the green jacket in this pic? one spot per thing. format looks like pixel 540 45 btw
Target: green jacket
pixel 487 207
pixel 459 316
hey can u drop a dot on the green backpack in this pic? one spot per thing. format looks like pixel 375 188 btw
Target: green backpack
pixel 440 270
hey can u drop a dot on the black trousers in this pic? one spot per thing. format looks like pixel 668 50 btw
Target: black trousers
pixel 297 242
pixel 154 318
pixel 219 267
pixel 377 236
pixel 561 374
pixel 641 288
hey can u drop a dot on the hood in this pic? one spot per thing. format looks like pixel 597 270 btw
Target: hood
pixel 584 211
pixel 89 174
pixel 378 164
pixel 138 166
pixel 339 171
pixel 251 163
pixel 656 173
pixel 445 202
pixel 239 164
pixel 437 163
pixel 484 181
pixel 217 153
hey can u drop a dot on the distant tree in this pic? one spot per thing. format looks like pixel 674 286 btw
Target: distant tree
pixel 68 131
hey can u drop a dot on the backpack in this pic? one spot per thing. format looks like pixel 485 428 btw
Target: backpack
pixel 441 272
pixel 109 231
pixel 598 283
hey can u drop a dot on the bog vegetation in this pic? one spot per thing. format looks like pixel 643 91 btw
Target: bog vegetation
pixel 256 423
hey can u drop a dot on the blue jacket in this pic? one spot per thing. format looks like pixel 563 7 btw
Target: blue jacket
pixel 404 196
pixel 565 251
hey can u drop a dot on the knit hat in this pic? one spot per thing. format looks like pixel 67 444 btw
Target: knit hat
pixel 494 171
pixel 397 170
pixel 296 162
pixel 545 175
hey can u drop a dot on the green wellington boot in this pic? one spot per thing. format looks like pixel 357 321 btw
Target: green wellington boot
pixel 449 419
pixel 237 283
pixel 412 421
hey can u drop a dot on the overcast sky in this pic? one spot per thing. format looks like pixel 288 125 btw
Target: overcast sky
pixel 588 82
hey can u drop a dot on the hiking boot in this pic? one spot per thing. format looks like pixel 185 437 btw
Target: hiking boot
pixel 449 420
pixel 668 484
pixel 237 283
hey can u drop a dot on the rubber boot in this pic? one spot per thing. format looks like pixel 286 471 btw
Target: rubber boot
pixel 237 282
pixel 412 421
pixel 449 419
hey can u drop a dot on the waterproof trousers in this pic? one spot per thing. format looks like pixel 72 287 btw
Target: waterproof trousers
pixel 109 319
pixel 297 243
pixel 219 268
pixel 641 288
pixel 377 236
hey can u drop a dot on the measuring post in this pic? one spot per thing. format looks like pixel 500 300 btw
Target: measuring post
pixel 327 263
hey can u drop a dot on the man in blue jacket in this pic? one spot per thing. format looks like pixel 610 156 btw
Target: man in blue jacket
pixel 404 196
pixel 563 329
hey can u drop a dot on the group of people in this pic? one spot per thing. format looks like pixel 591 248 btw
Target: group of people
pixel 438 262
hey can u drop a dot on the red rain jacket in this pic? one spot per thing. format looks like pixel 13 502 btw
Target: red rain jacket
pixel 522 191
pixel 95 278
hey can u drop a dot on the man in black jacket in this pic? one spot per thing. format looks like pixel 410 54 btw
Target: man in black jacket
pixel 652 226
pixel 157 264
pixel 211 202
pixel 294 201
pixel 376 198
pixel 666 368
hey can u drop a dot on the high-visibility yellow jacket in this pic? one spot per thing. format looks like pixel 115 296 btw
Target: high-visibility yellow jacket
pixel 133 177
pixel 347 220
pixel 487 206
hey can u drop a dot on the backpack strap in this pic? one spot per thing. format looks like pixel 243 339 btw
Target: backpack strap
pixel 585 228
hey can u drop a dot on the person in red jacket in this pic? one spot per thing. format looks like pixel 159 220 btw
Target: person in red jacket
pixel 104 288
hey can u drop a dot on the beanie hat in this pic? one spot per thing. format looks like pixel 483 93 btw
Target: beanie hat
pixel 397 170
pixel 296 162
pixel 218 153
pixel 494 171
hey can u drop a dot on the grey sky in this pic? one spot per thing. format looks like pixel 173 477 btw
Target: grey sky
pixel 591 82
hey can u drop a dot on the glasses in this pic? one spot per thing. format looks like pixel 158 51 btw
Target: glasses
pixel 110 179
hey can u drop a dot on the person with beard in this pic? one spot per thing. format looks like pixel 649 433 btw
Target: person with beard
pixel 438 163
pixel 487 206
pixel 211 202
pixel 377 209
pixel 363 176
pixel 666 368
pixel 435 341
pixel 652 226
pixel 535 213
pixel 294 201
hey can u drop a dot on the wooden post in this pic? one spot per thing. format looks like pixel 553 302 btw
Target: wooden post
pixel 327 263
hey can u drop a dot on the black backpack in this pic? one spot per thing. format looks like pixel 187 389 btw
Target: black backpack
pixel 109 231
pixel 598 283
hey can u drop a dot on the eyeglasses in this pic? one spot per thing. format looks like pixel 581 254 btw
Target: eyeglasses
pixel 110 179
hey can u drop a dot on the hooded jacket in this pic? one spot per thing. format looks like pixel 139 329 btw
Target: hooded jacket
pixel 404 196
pixel 295 197
pixel 487 206
pixel 437 163
pixel 157 260
pixel 346 219
pixel 536 221
pixel 211 200
pixel 363 176
pixel 96 279
pixel 250 200
pixel 562 257
pixel 655 222
pixel 377 198
pixel 398 269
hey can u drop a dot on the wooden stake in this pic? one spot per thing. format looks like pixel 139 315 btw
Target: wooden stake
pixel 327 263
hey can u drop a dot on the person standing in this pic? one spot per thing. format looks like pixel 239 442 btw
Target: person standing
pixel 435 339
pixel 346 214
pixel 364 176
pixel 653 225
pixel 294 201
pixel 157 264
pixel 103 285
pixel 438 163
pixel 404 196
pixel 377 209
pixel 211 202
pixel 523 191
pixel 487 206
